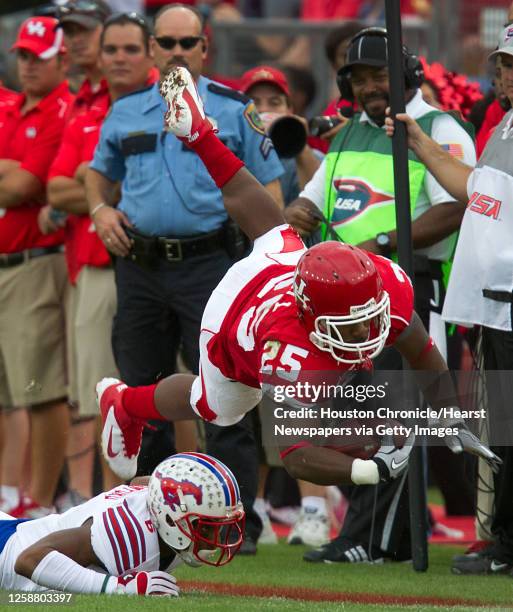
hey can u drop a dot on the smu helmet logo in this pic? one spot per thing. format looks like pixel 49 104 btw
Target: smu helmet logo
pixel 354 197
pixel 170 486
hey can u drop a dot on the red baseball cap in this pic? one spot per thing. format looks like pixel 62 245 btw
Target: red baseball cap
pixel 40 36
pixel 264 74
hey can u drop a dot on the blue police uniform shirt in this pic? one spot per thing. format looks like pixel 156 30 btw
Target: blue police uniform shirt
pixel 166 188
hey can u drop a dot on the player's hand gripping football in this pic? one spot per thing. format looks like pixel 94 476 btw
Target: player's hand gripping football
pixel 391 460
pixel 465 440
pixel 148 583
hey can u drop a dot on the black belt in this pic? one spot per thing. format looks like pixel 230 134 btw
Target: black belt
pixel 174 249
pixel 498 296
pixel 9 260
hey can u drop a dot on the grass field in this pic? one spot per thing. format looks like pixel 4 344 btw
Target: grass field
pixel 277 579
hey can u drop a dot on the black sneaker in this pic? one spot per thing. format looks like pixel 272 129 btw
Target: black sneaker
pixel 471 555
pixel 481 565
pixel 340 550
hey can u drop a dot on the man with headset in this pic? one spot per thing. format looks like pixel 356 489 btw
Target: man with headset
pixel 354 190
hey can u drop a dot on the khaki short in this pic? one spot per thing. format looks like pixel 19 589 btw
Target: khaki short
pixel 32 332
pixel 92 308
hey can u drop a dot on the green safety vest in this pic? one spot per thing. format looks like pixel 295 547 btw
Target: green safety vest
pixel 359 191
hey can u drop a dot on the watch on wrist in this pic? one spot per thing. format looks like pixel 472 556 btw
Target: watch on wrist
pixel 383 242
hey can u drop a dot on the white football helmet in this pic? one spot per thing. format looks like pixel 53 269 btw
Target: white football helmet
pixel 194 503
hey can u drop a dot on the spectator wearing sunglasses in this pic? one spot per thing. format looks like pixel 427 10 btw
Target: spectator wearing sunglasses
pixel 126 65
pixel 82 24
pixel 169 231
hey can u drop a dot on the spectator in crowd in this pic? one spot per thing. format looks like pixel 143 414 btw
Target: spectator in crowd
pixel 32 338
pixel 480 290
pixel 356 173
pixel 125 62
pixel 82 26
pixel 169 231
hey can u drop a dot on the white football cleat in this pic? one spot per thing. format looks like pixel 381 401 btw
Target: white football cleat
pixel 185 117
pixel 121 434
pixel 312 528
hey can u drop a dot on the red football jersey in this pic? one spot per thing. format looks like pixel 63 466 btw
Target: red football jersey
pixel 261 330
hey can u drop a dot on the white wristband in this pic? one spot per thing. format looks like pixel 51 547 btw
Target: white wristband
pixel 56 571
pixel 364 472
pixel 97 208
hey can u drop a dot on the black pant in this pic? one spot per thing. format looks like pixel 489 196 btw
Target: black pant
pixel 158 311
pixel 498 355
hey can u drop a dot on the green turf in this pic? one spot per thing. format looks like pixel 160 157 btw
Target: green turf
pixel 282 566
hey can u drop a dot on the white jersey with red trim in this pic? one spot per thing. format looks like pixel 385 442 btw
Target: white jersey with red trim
pixel 122 536
pixel 261 330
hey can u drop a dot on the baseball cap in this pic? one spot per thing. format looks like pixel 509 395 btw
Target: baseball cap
pixel 367 50
pixel 505 44
pixel 40 36
pixel 87 13
pixel 264 74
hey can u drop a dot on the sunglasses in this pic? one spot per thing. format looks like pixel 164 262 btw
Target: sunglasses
pixel 187 43
pixel 133 17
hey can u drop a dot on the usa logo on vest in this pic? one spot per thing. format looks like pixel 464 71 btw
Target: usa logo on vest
pixel 484 205
pixel 354 197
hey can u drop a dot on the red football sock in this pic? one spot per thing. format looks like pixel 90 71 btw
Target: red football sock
pixel 221 163
pixel 139 402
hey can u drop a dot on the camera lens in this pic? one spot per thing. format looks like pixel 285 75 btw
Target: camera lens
pixel 288 135
pixel 321 125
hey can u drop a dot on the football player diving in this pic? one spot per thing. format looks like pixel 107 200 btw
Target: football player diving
pixel 282 309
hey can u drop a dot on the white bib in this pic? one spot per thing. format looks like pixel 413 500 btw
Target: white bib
pixel 484 255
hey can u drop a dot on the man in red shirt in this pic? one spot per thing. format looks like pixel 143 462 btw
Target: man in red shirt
pixel 126 64
pixel 82 24
pixel 32 268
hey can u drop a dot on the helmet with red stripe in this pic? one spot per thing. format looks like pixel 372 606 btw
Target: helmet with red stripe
pixel 194 503
pixel 341 302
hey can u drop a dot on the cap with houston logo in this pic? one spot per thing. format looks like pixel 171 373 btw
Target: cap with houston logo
pixel 40 36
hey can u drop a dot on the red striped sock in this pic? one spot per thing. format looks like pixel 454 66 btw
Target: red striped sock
pixel 220 162
pixel 139 402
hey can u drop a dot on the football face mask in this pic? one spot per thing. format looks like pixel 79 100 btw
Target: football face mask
pixel 341 302
pixel 331 332
pixel 213 541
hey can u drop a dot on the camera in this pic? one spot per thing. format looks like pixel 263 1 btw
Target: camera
pixel 288 135
pixel 321 125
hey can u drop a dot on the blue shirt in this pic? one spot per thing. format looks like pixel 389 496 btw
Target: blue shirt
pixel 166 189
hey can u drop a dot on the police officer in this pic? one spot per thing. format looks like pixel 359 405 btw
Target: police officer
pixel 169 230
